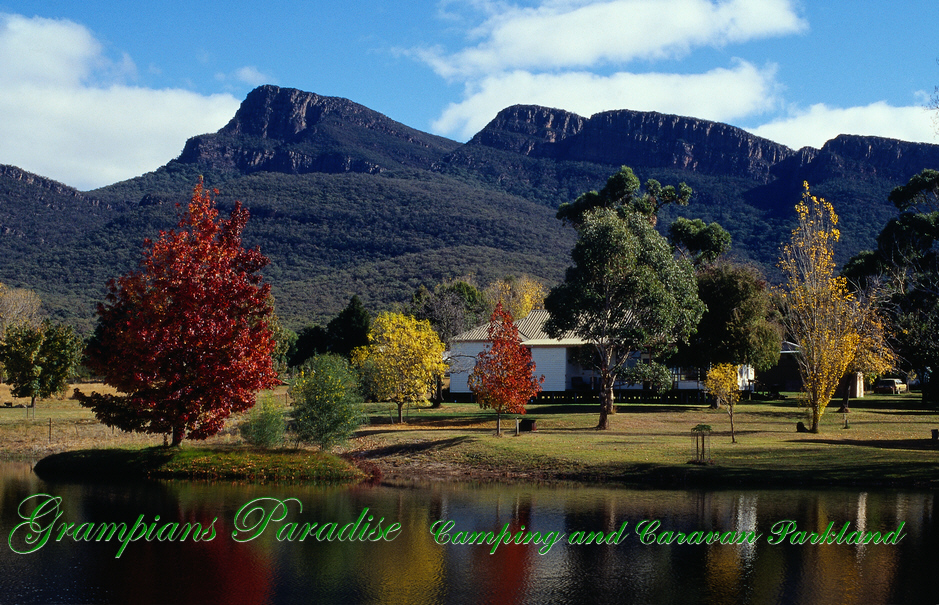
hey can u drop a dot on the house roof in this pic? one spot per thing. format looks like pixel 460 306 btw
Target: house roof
pixel 530 329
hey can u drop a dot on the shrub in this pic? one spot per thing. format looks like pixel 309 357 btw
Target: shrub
pixel 265 424
pixel 327 400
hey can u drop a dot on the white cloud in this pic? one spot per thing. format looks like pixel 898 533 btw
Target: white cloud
pixel 571 34
pixel 252 76
pixel 248 74
pixel 820 123
pixel 67 113
pixel 46 51
pixel 744 90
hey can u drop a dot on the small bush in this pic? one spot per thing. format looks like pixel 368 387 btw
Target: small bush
pixel 327 401
pixel 265 424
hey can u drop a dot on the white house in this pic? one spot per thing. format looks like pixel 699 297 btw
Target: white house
pixel 553 357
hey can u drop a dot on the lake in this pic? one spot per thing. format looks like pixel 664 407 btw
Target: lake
pixel 186 542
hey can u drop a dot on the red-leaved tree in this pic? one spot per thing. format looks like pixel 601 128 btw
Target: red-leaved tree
pixel 185 339
pixel 503 379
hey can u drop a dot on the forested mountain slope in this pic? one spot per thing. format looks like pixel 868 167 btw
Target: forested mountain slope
pixel 347 201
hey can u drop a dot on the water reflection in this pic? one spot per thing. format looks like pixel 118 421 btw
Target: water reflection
pixel 413 568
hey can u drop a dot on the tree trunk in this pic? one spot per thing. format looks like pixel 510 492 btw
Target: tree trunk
pixel 401 413
pixel 733 434
pixel 930 391
pixel 606 400
pixel 499 424
pixel 846 395
pixel 437 398
pixel 179 432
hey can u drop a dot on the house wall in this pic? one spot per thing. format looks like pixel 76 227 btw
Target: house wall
pixel 588 376
pixel 746 378
pixel 462 354
pixel 551 362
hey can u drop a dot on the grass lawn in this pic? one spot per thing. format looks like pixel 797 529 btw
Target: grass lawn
pixel 887 443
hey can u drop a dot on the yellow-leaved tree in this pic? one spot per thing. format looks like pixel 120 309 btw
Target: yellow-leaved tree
pixel 833 327
pixel 518 295
pixel 721 383
pixel 18 306
pixel 403 359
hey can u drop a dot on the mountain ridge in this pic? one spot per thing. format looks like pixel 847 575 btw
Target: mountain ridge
pixel 651 139
pixel 295 132
pixel 345 200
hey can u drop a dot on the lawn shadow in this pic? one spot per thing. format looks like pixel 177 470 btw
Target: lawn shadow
pixel 924 444
pixel 413 447
pixel 466 425
pixel 899 412
pixel 105 464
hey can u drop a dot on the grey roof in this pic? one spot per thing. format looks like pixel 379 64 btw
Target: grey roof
pixel 531 331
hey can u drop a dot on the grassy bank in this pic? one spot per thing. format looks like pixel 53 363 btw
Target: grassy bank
pixel 240 464
pixel 887 443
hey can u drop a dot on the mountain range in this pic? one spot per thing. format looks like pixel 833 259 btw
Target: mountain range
pixel 345 200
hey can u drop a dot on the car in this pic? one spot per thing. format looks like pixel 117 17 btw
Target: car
pixel 892 386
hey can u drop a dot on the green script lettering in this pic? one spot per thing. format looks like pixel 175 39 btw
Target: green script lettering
pixel 38 524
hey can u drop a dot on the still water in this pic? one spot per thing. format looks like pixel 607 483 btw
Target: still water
pixel 383 550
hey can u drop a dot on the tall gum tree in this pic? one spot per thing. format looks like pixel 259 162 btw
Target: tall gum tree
pixel 186 338
pixel 624 293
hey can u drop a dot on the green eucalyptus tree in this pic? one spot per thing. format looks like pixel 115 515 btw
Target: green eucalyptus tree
pixel 741 324
pixel 626 292
pixel 623 192
pixel 906 265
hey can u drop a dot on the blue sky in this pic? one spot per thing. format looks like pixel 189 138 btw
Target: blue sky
pixel 93 92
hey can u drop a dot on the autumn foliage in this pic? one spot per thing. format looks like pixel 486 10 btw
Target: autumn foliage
pixel 834 327
pixel 402 361
pixel 503 379
pixel 721 383
pixel 185 338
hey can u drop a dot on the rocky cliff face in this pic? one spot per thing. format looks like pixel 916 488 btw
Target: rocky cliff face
pixel 852 156
pixel 12 174
pixel 529 130
pixel 35 209
pixel 634 138
pixel 655 140
pixel 295 132
pixel 441 208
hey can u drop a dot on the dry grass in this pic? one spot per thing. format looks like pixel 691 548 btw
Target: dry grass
pixel 74 427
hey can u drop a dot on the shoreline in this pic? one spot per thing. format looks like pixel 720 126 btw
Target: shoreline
pixel 127 465
pixel 664 477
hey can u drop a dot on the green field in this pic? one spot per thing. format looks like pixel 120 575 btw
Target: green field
pixel 887 443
